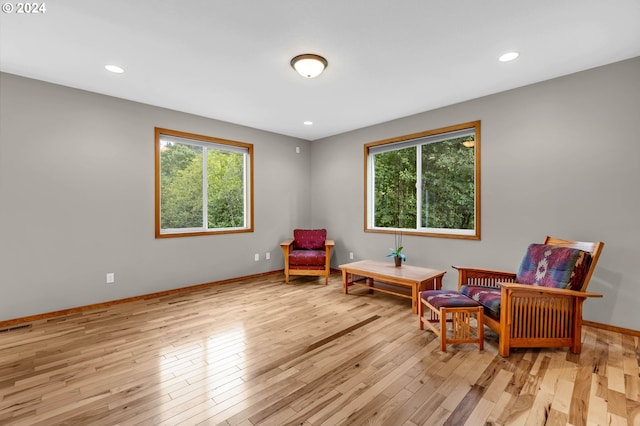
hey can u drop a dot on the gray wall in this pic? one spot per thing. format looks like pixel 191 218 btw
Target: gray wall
pixel 76 192
pixel 559 158
pixel 77 200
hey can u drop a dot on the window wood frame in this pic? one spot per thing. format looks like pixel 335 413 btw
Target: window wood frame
pixel 395 140
pixel 249 226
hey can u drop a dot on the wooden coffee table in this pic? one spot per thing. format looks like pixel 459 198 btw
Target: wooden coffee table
pixel 404 281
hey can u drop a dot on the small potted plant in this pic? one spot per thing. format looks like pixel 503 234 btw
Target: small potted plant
pixel 396 253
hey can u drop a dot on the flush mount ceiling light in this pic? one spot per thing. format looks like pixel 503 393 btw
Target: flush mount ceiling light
pixel 114 69
pixel 309 65
pixel 509 56
pixel 308 123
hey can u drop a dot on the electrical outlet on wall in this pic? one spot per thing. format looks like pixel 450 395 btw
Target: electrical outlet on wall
pixel 257 257
pixel 351 255
pixel 267 256
pixel 111 278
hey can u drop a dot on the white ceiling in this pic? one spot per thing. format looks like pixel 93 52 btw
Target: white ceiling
pixel 229 60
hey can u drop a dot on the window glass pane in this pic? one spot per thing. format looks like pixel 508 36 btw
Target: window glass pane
pixel 181 185
pixel 395 188
pixel 225 189
pixel 448 187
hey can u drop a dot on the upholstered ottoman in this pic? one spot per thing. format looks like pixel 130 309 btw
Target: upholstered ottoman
pixel 460 309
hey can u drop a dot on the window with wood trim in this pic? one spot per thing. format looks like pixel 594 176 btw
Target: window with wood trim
pixel 425 183
pixel 204 185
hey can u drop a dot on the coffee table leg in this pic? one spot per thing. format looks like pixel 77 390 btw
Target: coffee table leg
pixel 370 283
pixel 437 283
pixel 414 297
pixel 345 282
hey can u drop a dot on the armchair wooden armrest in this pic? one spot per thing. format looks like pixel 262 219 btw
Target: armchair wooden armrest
pixel 286 246
pixel 514 287
pixel 286 242
pixel 482 277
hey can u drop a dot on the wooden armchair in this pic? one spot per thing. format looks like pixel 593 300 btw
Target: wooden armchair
pixel 307 253
pixel 541 305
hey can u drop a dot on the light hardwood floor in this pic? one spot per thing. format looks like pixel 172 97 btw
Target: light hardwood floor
pixel 259 352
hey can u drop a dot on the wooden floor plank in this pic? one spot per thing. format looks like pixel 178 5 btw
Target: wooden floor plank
pixel 300 354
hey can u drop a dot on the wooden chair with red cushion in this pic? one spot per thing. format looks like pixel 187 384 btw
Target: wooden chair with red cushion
pixel 307 253
pixel 541 304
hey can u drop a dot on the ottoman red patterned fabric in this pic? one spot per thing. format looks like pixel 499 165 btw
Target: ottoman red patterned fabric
pixel 447 299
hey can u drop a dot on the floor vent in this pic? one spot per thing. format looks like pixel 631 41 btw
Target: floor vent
pixel 16 328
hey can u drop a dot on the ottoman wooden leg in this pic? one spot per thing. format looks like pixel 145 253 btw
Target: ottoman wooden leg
pixel 443 329
pixel 480 323
pixel 420 314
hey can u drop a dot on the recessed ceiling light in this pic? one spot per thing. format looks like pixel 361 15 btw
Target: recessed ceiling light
pixel 509 56
pixel 308 123
pixel 114 68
